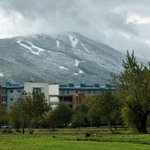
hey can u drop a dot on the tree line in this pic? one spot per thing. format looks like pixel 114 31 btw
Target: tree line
pixel 129 104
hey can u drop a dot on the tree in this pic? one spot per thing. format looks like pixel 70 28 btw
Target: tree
pixel 110 108
pixel 105 108
pixel 61 116
pixel 32 108
pixel 4 116
pixel 93 113
pixel 134 92
pixel 79 114
pixel 16 116
pixel 49 119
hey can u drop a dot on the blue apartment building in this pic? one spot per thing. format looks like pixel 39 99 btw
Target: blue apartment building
pixel 71 93
pixel 68 93
pixel 10 93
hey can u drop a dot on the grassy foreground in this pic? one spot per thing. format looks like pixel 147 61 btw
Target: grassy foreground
pixel 74 139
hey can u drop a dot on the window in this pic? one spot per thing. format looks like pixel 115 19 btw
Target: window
pixel 78 99
pixel 11 99
pixel 38 90
pixel 4 91
pixel 4 100
pixel 67 92
pixel 19 91
pixel 54 103
pixel 61 92
pixel 96 92
pixel 89 92
pixel 11 91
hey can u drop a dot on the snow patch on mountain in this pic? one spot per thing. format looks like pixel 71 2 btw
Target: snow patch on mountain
pixel 1 74
pixel 62 67
pixel 76 62
pixel 75 74
pixel 31 47
pixel 57 43
pixel 73 40
pixel 84 47
pixel 80 71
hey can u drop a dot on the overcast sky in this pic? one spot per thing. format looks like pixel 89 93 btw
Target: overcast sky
pixel 123 25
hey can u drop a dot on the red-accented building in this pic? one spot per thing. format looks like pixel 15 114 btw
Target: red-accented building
pixel 77 98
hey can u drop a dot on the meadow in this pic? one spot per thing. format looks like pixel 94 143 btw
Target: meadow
pixel 74 139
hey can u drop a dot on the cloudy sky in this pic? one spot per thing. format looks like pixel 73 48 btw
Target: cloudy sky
pixel 123 25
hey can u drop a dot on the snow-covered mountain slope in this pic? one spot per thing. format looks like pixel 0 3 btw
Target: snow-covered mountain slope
pixel 63 58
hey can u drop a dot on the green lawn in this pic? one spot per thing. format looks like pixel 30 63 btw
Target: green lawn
pixel 74 139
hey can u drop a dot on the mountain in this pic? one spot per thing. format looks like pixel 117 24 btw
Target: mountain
pixel 63 58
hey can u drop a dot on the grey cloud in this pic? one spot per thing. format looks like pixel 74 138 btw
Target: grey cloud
pixel 118 22
pixel 104 21
pixel 114 3
pixel 37 8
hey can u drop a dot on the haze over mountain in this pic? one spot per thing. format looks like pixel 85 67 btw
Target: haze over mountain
pixel 64 58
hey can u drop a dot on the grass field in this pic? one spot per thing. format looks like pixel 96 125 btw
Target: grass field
pixel 74 139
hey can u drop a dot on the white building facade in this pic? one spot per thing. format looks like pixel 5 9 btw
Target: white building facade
pixel 39 87
pixel 54 95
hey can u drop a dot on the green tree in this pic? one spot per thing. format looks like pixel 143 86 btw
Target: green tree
pixel 49 119
pixel 32 107
pixel 93 113
pixel 134 92
pixel 104 108
pixel 110 108
pixel 4 116
pixel 16 116
pixel 79 114
pixel 61 115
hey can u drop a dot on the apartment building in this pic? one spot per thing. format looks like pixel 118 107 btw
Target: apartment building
pixel 10 93
pixel 54 93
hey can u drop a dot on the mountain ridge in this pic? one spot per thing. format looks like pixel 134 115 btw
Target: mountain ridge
pixel 63 58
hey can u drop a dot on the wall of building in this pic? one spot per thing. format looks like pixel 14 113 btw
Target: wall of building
pixel 10 93
pixel 77 98
pixel 44 88
pixel 54 95
pixel 4 96
pixel 12 96
pixel 54 89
